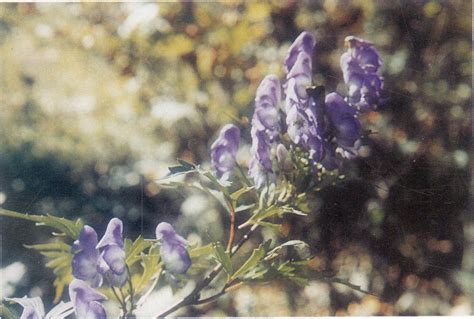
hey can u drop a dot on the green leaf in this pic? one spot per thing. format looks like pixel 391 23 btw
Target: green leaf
pixel 292 210
pixel 66 226
pixel 269 212
pixel 275 227
pixel 7 313
pixel 184 167
pixel 215 182
pixel 295 243
pixel 133 250
pixel 52 254
pixel 254 259
pixel 243 208
pixel 60 261
pixel 200 251
pixel 238 193
pixel 59 245
pixel 151 268
pixel 223 257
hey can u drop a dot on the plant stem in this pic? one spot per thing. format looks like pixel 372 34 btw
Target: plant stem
pixel 122 303
pixel 232 225
pixel 130 287
pixel 224 290
pixel 193 297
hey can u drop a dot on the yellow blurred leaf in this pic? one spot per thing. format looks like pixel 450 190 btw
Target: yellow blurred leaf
pixel 174 46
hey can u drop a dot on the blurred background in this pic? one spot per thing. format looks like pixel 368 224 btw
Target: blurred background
pixel 97 100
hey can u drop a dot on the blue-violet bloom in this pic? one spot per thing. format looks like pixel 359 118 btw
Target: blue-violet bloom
pixel 112 257
pixel 173 249
pixel 86 300
pixel 359 67
pixel 86 257
pixel 265 130
pixel 224 149
pixel 345 126
pixel 93 260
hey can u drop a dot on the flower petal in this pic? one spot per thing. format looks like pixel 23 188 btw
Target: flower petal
pixel 32 307
pixel 224 149
pixel 113 234
pixel 82 296
pixel 173 250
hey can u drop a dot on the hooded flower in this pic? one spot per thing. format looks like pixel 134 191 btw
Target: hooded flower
pixel 265 130
pixel 93 260
pixel 344 124
pixel 224 150
pixel 173 250
pixel 86 300
pixel 299 66
pixel 359 66
pixel 304 112
pixel 86 256
pixel 33 308
pixel 112 257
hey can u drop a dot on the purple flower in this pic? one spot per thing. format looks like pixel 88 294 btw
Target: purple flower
pixel 112 258
pixel 86 256
pixel 359 66
pixel 345 126
pixel 33 308
pixel 303 124
pixel 305 42
pixel 92 260
pixel 302 118
pixel 173 250
pixel 224 150
pixel 259 174
pixel 267 116
pixel 86 300
pixel 298 66
pixel 265 130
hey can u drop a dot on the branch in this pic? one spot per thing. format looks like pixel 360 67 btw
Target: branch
pixel 224 290
pixel 232 225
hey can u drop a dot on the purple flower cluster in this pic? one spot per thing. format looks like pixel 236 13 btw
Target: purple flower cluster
pixel 322 125
pixel 93 261
pixel 359 66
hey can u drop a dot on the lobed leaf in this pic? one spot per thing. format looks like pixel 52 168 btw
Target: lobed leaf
pixel 58 245
pixel 68 227
pixel 200 251
pixel 254 259
pixel 223 257
pixel 7 313
pixel 133 250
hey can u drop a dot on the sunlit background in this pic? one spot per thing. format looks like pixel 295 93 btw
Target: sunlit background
pixel 97 100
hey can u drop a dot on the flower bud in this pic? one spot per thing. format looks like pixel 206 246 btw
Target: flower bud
pixel 284 158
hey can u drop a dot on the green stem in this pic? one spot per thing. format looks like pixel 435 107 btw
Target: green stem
pixel 131 293
pixel 122 303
